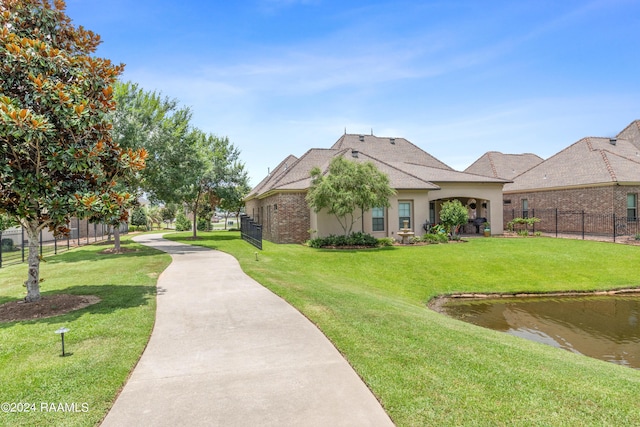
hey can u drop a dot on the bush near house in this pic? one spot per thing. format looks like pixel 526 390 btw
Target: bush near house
pixel 357 239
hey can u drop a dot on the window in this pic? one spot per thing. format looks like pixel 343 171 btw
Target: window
pixel 525 208
pixel 377 219
pixel 404 214
pixel 632 206
pixel 432 213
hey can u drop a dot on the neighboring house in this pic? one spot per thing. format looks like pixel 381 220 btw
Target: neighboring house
pixel 595 175
pixel 507 166
pixel 421 181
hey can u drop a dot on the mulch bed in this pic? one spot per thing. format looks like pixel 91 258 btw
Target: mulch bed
pixel 48 306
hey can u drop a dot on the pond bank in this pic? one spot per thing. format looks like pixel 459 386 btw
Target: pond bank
pixel 437 303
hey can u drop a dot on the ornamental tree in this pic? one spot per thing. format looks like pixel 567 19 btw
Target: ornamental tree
pixel 453 215
pixel 57 156
pixel 348 190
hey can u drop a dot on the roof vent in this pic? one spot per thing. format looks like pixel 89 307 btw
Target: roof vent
pixel 612 141
pixel 361 137
pixel 392 140
pixel 354 153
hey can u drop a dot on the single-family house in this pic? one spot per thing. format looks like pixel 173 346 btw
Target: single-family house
pixel 421 181
pixel 591 186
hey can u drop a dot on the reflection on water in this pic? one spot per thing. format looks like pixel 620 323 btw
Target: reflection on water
pixel 603 327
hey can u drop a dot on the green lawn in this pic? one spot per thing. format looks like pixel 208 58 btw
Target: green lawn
pixel 428 369
pixel 105 340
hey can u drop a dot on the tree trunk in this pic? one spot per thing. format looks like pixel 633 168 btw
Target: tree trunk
pixel 116 238
pixel 195 215
pixel 33 273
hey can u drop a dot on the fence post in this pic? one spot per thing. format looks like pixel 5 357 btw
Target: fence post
pixel 0 249
pixel 55 245
pixel 556 222
pixel 22 243
pixel 614 228
pixel 533 214
pixel 41 243
pixel 583 225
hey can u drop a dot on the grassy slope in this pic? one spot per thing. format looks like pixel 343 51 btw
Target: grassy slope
pixel 427 369
pixel 106 339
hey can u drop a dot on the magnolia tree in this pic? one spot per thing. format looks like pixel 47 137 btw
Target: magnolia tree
pixel 347 190
pixel 57 156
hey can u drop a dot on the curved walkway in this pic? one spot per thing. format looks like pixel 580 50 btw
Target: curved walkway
pixel 225 351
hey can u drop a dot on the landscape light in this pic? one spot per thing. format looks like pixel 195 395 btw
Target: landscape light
pixel 62 331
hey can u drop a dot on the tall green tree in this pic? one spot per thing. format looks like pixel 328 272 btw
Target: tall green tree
pixel 232 199
pixel 222 171
pixel 57 155
pixel 138 120
pixel 348 189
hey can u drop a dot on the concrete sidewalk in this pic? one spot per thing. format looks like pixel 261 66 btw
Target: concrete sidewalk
pixel 225 351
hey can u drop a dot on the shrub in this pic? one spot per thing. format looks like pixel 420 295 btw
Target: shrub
pixel 139 216
pixel 182 223
pixel 7 245
pixel 204 224
pixel 386 241
pixel 637 236
pixel 354 239
pixel 527 222
pixel 132 228
pixel 435 238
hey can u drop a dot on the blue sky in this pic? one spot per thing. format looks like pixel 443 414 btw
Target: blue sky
pixel 456 78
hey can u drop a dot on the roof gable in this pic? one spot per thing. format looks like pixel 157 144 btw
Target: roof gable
pixel 506 166
pixel 589 161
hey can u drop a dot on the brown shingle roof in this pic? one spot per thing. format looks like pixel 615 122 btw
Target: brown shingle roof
pixel 389 149
pixel 272 176
pixel 406 165
pixel 588 162
pixel 631 133
pixel 499 165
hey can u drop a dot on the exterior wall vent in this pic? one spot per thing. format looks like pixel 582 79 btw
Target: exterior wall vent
pixel 354 153
pixel 392 140
pixel 612 141
pixel 361 137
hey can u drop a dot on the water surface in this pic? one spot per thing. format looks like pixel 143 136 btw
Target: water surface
pixel 603 327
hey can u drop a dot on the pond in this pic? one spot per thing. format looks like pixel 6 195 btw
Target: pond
pixel 603 327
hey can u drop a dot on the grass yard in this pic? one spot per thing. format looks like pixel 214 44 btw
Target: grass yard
pixel 105 340
pixel 428 369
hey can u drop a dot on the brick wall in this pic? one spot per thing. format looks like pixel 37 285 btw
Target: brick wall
pixel 599 204
pixel 285 217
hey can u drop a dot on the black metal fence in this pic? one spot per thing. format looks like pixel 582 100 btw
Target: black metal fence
pixel 14 244
pixel 251 231
pixel 578 224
